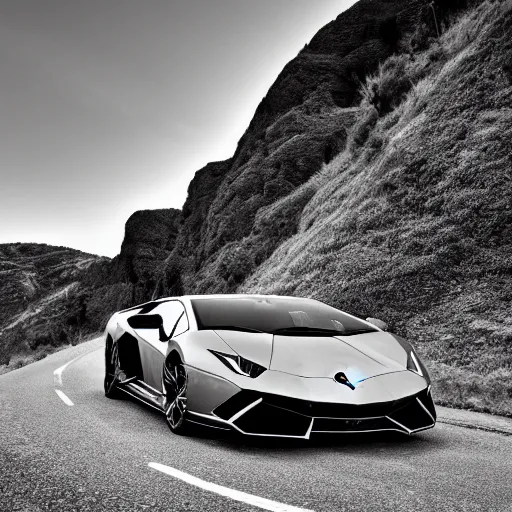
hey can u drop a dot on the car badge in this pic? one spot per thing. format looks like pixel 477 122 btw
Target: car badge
pixel 341 378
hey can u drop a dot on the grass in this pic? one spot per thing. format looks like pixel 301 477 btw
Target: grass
pixel 412 223
pixel 459 388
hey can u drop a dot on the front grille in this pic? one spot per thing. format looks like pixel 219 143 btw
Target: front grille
pixel 342 425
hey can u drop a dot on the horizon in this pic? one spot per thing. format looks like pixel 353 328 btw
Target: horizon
pixel 110 111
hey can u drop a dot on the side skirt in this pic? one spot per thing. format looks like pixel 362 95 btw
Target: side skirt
pixel 149 396
pixel 144 393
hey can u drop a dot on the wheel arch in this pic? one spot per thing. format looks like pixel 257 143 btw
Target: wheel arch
pixel 174 356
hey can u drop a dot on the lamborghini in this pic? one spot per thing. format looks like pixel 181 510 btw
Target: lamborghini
pixel 264 365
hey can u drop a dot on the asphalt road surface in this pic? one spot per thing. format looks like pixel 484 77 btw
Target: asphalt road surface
pixel 101 454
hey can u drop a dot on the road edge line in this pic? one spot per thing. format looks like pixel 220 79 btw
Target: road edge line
pixel 471 426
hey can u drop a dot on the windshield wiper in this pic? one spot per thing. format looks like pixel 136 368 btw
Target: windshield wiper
pixel 234 328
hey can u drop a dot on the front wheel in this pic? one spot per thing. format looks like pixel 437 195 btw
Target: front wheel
pixel 175 386
pixel 112 370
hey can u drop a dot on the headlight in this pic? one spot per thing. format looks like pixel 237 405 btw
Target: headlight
pixel 413 361
pixel 413 364
pixel 239 364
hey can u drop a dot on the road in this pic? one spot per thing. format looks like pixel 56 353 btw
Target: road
pixel 96 455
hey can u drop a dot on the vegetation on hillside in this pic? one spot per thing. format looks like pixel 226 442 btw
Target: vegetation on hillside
pixel 228 226
pixel 38 287
pixel 412 221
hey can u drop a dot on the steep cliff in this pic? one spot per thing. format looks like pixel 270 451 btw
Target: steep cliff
pixel 149 238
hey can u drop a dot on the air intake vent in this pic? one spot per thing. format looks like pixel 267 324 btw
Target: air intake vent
pixel 266 419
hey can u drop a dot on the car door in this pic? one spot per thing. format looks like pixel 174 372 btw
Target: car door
pixel 152 350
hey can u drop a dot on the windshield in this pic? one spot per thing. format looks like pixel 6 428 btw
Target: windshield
pixel 279 315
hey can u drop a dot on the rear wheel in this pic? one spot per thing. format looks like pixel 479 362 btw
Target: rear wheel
pixel 112 370
pixel 175 386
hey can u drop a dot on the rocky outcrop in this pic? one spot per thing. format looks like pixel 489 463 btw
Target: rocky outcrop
pixel 150 236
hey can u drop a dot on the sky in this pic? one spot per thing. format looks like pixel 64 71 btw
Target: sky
pixel 111 106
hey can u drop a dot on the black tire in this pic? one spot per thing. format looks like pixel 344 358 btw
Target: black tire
pixel 175 380
pixel 112 370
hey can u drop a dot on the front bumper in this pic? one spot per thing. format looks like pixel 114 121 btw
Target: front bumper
pixel 262 414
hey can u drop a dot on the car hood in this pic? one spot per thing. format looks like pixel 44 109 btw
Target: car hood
pixel 359 356
pixel 311 356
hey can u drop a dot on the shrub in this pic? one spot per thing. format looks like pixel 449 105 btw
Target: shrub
pixel 469 26
pixel 385 90
pixel 236 263
pixel 359 133
pixel 421 38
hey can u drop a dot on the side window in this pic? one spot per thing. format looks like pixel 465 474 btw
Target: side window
pixel 182 325
pixel 172 312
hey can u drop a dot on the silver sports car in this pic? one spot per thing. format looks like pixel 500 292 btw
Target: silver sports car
pixel 266 365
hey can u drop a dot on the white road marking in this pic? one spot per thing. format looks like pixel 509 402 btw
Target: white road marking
pixel 57 374
pixel 250 499
pixel 63 397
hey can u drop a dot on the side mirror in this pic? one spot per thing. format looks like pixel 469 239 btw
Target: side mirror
pixel 145 321
pixel 378 323
pixel 149 322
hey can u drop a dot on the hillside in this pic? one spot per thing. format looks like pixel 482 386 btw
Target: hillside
pixel 299 125
pixel 412 222
pixel 36 283
pixel 388 198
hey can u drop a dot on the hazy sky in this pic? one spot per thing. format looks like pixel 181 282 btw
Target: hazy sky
pixel 110 106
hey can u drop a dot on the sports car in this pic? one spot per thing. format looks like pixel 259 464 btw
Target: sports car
pixel 266 365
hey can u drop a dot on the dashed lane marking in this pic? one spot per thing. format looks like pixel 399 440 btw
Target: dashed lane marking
pixel 64 397
pixel 250 499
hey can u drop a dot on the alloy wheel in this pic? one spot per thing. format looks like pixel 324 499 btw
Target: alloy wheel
pixel 113 373
pixel 175 403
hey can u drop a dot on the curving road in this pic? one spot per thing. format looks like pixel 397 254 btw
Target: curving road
pixel 101 454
